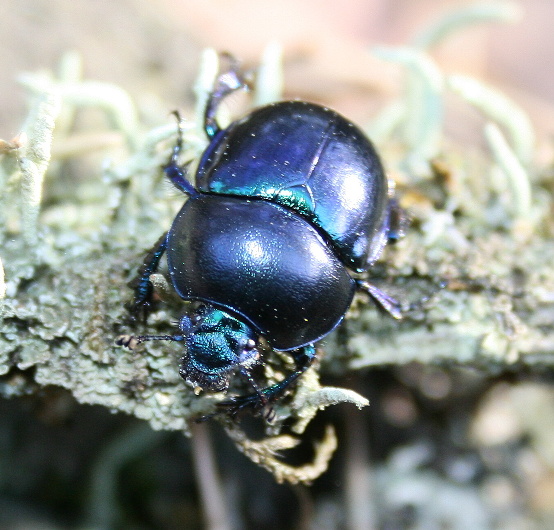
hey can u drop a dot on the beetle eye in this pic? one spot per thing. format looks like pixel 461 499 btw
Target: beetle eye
pixel 250 344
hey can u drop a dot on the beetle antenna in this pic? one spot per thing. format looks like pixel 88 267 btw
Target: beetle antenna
pixel 269 414
pixel 131 342
pixel 246 373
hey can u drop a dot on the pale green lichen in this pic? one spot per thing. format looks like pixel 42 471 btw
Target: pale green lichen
pixel 269 82
pixel 2 283
pixel 309 399
pixel 418 117
pixel 264 454
pixel 2 296
pixel 466 16
pixel 423 115
pixel 110 98
pixel 209 66
pixel 517 176
pixel 498 107
pixel 34 161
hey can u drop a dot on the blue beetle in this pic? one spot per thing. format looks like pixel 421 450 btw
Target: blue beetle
pixel 287 203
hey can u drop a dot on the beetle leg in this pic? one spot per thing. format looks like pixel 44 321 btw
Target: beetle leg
pixel 392 306
pixel 382 299
pixel 228 82
pixel 397 221
pixel 176 173
pixel 392 229
pixel 144 291
pixel 303 358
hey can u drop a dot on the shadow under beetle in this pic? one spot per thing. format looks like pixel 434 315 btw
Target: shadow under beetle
pixel 286 202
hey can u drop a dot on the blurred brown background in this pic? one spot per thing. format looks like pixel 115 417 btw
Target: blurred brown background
pixel 153 47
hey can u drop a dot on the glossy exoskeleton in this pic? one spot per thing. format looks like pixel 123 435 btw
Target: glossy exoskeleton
pixel 286 203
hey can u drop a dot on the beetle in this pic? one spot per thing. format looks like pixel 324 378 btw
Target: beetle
pixel 288 203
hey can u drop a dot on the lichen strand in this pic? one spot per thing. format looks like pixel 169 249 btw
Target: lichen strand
pixel 496 310
pixel 263 453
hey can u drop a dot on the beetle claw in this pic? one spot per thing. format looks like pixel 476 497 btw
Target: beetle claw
pixel 140 309
pixel 233 406
pixel 251 402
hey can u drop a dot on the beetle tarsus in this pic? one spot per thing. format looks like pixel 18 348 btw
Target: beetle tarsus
pixel 392 306
pixel 384 301
pixel 303 358
pixel 229 81
pixel 128 341
pixel 175 172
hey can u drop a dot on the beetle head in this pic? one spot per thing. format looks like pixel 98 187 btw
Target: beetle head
pixel 217 344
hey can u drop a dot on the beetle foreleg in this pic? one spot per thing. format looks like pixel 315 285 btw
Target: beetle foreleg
pixel 303 358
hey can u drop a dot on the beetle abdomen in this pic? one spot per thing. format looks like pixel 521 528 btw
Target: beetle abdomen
pixel 309 159
pixel 261 261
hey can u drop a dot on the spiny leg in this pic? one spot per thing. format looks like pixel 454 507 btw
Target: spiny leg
pixel 229 81
pixel 386 302
pixel 176 173
pixel 397 221
pixel 144 291
pixel 142 285
pixel 392 229
pixel 303 358
pixel 389 304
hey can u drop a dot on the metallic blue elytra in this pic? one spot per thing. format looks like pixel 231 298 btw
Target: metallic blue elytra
pixel 286 203
pixel 292 153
